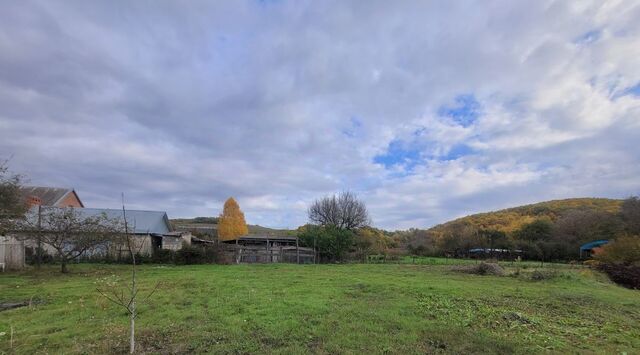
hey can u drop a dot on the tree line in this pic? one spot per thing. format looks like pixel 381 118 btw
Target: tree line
pixel 540 239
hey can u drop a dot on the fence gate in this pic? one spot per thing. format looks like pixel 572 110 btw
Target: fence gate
pixel 11 256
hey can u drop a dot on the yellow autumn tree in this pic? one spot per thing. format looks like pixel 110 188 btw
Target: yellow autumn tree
pixel 231 224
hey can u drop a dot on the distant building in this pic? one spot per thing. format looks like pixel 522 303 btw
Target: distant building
pixel 586 250
pixel 151 229
pixel 50 196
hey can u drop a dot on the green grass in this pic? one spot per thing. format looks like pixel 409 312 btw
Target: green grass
pixel 287 309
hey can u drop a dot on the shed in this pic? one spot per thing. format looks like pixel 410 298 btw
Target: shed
pixel 11 254
pixel 588 247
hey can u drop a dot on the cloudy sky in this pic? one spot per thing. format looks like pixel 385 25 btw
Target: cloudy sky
pixel 428 110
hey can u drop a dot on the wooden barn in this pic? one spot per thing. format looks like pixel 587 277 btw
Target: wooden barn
pixel 269 249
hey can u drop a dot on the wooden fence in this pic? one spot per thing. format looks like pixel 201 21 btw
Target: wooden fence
pixel 259 254
pixel 11 255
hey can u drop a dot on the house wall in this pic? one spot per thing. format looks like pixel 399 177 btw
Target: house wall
pixel 143 244
pixel 71 200
pixel 171 243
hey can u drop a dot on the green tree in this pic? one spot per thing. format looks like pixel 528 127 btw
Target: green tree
pixel 12 205
pixel 538 230
pixel 331 243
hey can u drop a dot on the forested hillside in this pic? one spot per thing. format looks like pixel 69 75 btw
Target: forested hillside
pixel 512 219
pixel 546 230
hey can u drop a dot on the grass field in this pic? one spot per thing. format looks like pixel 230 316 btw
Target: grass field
pixel 290 309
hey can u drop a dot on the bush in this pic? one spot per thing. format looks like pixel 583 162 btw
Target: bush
pixel 624 275
pixel 541 275
pixel 623 250
pixel 481 269
pixel 592 263
pixel 163 256
pixel 190 254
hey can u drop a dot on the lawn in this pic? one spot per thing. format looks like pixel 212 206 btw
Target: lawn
pixel 290 309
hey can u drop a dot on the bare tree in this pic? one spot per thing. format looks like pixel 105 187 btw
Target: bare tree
pixel 343 211
pixel 68 231
pixel 127 297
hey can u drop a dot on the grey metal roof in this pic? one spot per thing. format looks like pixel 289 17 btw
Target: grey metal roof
pixel 154 222
pixel 50 196
pixel 139 222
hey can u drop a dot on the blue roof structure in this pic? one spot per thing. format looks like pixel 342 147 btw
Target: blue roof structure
pixel 593 245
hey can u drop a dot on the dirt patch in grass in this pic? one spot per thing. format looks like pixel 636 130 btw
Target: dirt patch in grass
pixel 481 269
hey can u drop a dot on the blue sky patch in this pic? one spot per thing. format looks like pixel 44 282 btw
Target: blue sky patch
pixel 457 151
pixel 634 90
pixel 589 37
pixel 398 153
pixel 351 131
pixel 464 112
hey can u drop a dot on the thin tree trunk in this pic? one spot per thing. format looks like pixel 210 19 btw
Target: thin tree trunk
pixel 132 335
pixel 132 341
pixel 39 245
pixel 63 267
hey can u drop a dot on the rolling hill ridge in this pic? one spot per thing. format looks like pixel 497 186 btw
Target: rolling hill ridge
pixel 511 219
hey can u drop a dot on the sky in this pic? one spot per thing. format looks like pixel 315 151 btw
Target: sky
pixel 427 110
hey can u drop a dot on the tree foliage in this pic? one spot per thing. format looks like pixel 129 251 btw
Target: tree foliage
pixel 623 250
pixel 331 243
pixel 12 205
pixel 536 231
pixel 511 219
pixel 342 211
pixel 231 224
pixel 69 232
pixel 371 241
pixel 630 212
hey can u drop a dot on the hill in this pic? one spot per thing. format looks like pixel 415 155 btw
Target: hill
pixel 510 219
pixel 209 226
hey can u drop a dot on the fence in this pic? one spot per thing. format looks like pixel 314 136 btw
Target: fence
pixel 11 255
pixel 257 254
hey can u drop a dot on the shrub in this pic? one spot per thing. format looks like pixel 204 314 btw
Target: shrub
pixel 540 275
pixel 592 263
pixel 481 269
pixel 623 250
pixel 163 256
pixel 624 275
pixel 189 255
pixel 620 260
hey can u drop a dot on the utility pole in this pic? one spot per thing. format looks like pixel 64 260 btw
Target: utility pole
pixel 39 244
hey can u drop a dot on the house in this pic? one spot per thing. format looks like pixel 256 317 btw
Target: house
pixel 50 196
pixel 151 230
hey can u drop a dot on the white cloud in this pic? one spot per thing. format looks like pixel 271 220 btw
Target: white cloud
pixel 278 103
